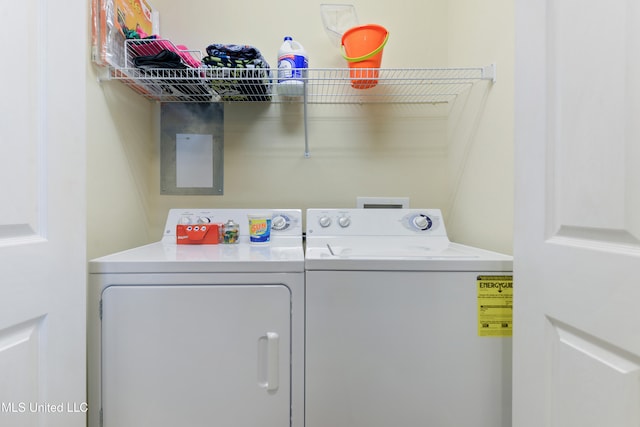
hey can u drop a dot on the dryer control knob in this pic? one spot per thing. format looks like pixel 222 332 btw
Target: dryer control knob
pixel 184 220
pixel 204 220
pixel 344 221
pixel 324 221
pixel 279 222
pixel 423 222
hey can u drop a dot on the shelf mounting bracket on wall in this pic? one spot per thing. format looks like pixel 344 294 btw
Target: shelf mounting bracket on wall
pixel 489 73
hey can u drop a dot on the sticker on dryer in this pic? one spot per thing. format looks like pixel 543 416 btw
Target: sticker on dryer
pixel 495 306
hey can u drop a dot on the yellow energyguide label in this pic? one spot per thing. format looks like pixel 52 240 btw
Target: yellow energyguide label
pixel 495 306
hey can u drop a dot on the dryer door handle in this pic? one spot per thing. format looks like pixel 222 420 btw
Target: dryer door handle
pixel 269 361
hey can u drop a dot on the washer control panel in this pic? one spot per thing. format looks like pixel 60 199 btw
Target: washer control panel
pixel 375 222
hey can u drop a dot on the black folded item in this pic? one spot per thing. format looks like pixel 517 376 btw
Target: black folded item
pixel 163 59
pixel 185 84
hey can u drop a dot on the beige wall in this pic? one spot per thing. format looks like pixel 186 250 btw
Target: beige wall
pixel 118 151
pixel 438 155
pixel 480 211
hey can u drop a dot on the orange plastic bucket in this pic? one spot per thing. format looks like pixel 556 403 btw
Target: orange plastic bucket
pixel 362 48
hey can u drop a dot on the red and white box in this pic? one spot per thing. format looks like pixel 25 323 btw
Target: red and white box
pixel 198 234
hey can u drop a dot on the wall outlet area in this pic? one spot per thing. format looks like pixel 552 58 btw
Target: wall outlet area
pixel 382 202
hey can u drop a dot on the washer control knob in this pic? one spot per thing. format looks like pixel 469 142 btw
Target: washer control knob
pixel 279 222
pixel 324 221
pixel 204 220
pixel 422 221
pixel 344 221
pixel 184 220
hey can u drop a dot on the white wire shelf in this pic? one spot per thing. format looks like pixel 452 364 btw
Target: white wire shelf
pixel 191 81
pixel 195 82
pixel 323 86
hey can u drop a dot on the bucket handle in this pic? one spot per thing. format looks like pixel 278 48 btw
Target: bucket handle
pixel 368 55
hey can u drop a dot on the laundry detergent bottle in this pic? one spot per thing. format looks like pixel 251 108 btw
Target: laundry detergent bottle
pixel 292 65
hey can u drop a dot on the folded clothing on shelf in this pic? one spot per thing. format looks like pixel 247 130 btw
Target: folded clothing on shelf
pixel 169 85
pixel 243 73
pixel 152 46
pixel 163 59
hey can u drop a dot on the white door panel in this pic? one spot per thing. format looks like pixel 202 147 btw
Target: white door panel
pixel 605 373
pixel 592 128
pixel 42 214
pixel 22 121
pixel 19 367
pixel 577 229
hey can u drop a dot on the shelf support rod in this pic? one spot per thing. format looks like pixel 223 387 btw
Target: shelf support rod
pixel 307 154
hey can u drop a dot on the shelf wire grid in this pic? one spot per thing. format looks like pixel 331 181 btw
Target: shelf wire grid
pixel 323 86
pixel 198 83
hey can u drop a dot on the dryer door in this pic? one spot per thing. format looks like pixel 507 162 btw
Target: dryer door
pixel 196 356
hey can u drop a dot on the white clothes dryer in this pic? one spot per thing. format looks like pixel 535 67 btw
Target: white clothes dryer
pixel 199 335
pixel 399 329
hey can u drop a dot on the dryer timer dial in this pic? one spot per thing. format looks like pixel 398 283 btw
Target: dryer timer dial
pixel 280 222
pixel 422 222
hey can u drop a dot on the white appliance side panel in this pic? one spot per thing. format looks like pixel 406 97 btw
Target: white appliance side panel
pixel 196 356
pixel 402 349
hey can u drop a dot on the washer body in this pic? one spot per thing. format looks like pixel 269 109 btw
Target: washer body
pixel 199 335
pixel 392 332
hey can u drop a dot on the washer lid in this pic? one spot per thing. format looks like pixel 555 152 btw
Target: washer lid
pixel 401 254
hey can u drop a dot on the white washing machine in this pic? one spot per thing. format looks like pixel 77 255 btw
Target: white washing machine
pixel 403 327
pixel 199 335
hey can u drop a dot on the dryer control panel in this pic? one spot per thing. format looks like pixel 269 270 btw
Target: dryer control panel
pixel 375 222
pixel 284 222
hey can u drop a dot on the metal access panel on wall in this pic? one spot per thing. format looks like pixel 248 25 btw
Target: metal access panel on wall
pixel 191 148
